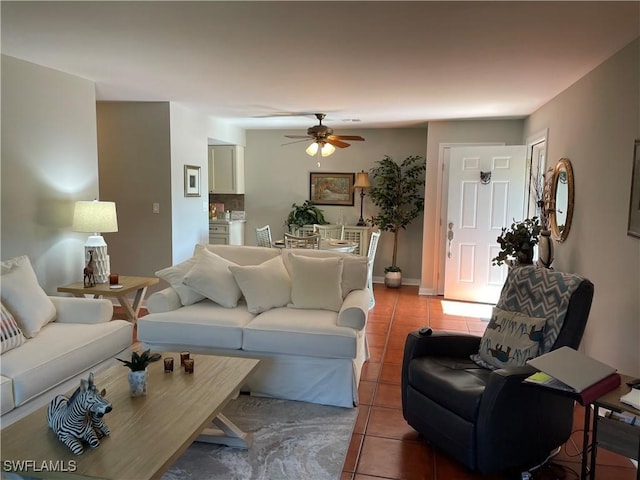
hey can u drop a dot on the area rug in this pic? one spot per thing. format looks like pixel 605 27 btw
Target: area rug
pixel 292 440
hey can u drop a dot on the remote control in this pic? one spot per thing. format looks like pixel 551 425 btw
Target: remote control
pixel 425 331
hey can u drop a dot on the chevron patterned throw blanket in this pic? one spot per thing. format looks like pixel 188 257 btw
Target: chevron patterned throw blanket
pixel 540 293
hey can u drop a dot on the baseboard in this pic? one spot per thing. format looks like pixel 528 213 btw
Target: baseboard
pixel 405 281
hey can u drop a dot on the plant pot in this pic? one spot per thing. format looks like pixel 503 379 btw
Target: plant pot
pixel 138 382
pixel 545 249
pixel 393 279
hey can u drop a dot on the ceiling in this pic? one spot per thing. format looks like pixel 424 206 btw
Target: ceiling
pixel 366 64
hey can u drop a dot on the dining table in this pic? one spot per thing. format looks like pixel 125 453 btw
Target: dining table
pixel 334 245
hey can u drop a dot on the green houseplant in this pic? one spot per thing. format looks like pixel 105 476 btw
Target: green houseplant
pixel 517 242
pixel 138 375
pixel 397 189
pixel 305 214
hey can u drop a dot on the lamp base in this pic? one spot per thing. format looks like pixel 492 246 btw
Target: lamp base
pixel 101 263
pixel 361 223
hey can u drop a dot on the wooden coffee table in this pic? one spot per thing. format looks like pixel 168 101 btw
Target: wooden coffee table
pixel 127 285
pixel 148 433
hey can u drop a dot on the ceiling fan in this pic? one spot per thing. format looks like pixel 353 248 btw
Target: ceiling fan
pixel 324 139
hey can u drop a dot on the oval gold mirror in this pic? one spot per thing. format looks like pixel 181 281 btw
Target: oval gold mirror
pixel 562 198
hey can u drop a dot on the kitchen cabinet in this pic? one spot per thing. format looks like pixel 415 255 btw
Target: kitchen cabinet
pixel 226 169
pixel 226 232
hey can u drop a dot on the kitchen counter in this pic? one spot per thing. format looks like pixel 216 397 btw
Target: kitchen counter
pixel 220 221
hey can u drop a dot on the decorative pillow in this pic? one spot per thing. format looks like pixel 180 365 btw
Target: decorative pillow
pixel 175 275
pixel 264 286
pixel 10 334
pixel 354 269
pixel 24 297
pixel 510 339
pixel 316 283
pixel 210 276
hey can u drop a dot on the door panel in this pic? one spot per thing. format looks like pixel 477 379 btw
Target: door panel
pixel 478 210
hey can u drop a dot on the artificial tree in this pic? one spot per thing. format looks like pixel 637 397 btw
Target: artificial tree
pixel 398 192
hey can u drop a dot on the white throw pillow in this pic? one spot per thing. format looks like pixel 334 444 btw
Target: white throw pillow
pixel 210 276
pixel 10 334
pixel 24 297
pixel 264 286
pixel 510 339
pixel 174 275
pixel 316 283
pixel 354 269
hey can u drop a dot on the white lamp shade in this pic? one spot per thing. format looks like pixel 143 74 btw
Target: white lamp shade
pixel 312 149
pixel 95 217
pixel 327 149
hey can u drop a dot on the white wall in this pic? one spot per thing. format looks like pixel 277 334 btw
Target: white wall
pixel 190 215
pixel 460 131
pixel 49 161
pixel 277 176
pixel 594 124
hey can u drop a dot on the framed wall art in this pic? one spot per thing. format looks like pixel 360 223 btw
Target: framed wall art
pixel 191 181
pixel 634 205
pixel 327 188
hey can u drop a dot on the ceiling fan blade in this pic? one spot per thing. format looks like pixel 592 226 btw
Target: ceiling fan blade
pixel 298 136
pixel 285 114
pixel 297 141
pixel 336 143
pixel 348 137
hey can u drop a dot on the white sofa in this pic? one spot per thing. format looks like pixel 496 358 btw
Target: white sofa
pixel 61 339
pixel 301 312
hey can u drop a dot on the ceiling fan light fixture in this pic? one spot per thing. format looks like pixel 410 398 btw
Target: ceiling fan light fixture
pixel 312 149
pixel 327 149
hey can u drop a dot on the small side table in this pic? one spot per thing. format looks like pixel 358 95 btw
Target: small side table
pixel 612 434
pixel 129 284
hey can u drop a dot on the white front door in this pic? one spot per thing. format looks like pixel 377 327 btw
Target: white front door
pixel 486 193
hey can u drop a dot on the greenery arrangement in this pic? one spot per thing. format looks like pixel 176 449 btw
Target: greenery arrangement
pixel 305 214
pixel 139 362
pixel 517 242
pixel 397 190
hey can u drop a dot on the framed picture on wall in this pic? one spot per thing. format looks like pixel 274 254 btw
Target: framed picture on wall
pixel 191 181
pixel 331 188
pixel 634 206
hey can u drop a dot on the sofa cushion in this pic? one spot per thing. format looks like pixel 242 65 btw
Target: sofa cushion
pixel 6 395
pixel 210 276
pixel 60 352
pixel 204 324
pixel 10 334
pixel 354 270
pixel 24 297
pixel 316 283
pixel 175 276
pixel 264 286
pixel 311 333
pixel 240 254
pixel 510 339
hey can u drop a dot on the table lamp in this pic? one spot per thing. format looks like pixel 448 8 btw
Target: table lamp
pixel 362 182
pixel 96 217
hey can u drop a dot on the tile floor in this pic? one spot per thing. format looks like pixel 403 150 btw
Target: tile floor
pixel 383 446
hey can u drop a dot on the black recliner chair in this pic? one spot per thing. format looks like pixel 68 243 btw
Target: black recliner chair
pixel 488 419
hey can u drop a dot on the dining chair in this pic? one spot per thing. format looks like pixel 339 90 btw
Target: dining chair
pixel 293 241
pixel 263 236
pixel 335 232
pixel 371 254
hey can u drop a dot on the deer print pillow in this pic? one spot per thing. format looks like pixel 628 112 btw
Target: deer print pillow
pixel 509 340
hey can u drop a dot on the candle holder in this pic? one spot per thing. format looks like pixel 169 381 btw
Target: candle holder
pixel 168 364
pixel 183 356
pixel 188 365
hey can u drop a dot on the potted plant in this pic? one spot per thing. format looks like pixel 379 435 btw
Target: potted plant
pixel 139 374
pixel 305 214
pixel 397 189
pixel 517 242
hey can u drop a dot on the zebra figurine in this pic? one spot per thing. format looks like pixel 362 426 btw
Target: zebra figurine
pixel 80 417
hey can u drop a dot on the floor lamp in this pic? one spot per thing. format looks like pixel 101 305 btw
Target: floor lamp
pixel 362 182
pixel 95 218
